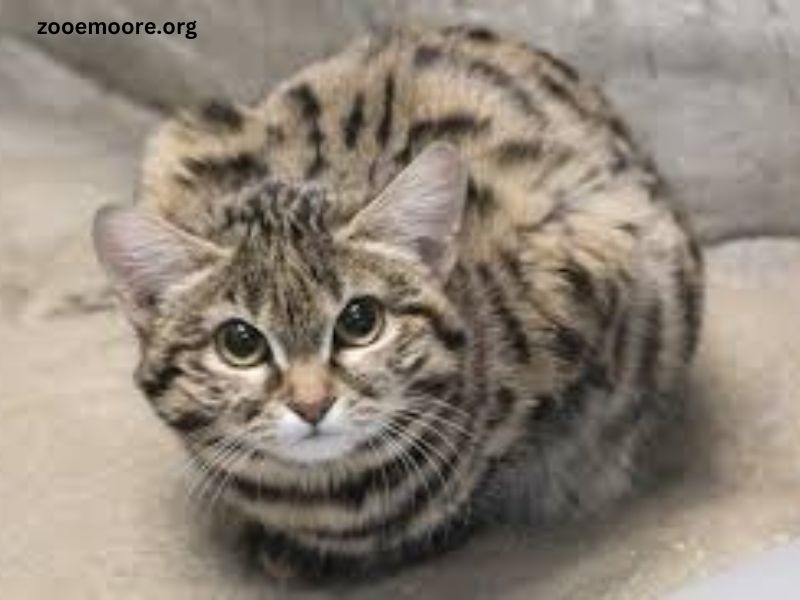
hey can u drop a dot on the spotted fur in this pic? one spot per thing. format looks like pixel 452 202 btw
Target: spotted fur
pixel 548 354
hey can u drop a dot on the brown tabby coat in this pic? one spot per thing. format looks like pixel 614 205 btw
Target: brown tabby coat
pixel 541 293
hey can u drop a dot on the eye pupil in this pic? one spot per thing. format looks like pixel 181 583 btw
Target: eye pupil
pixel 241 339
pixel 359 318
pixel 241 344
pixel 360 322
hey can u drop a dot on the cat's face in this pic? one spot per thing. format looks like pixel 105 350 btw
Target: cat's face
pixel 298 341
pixel 299 368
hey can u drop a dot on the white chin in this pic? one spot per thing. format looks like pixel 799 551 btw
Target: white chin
pixel 298 441
pixel 318 448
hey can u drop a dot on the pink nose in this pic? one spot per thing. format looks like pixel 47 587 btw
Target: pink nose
pixel 309 391
pixel 312 412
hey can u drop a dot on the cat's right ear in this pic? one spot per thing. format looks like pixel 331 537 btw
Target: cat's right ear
pixel 144 255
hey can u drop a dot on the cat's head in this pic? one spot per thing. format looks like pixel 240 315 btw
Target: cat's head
pixel 300 338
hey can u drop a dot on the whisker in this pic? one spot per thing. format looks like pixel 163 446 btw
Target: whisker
pixel 431 427
pixel 427 451
pixel 374 452
pixel 460 410
pixel 200 469
pixel 430 400
pixel 228 469
pixel 434 458
pixel 215 471
pixel 242 456
pixel 215 468
pixel 409 466
pixel 440 419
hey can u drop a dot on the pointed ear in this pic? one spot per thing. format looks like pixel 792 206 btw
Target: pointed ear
pixel 421 210
pixel 143 255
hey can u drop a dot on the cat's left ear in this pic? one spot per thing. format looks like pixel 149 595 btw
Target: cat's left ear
pixel 421 210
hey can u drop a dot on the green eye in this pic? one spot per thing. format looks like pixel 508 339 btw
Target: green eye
pixel 360 323
pixel 240 344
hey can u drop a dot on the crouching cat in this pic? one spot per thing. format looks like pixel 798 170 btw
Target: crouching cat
pixel 415 273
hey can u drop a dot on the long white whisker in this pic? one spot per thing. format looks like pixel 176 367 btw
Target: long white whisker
pixel 440 419
pixel 204 468
pixel 216 468
pixel 237 456
pixel 426 449
pixel 409 466
pixel 374 452
pixel 431 427
pixel 429 400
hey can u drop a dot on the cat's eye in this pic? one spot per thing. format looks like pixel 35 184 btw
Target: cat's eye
pixel 240 344
pixel 360 323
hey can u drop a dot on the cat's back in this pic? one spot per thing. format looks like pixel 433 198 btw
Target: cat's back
pixel 538 140
pixel 529 127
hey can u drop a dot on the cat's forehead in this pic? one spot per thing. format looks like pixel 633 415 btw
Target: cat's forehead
pixel 281 230
pixel 284 267
pixel 277 210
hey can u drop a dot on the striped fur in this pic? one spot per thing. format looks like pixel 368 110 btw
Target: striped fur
pixel 549 354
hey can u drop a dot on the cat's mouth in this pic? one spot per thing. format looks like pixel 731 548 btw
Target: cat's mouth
pixel 316 445
pixel 316 434
pixel 332 438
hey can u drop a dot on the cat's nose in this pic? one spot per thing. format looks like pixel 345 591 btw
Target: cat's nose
pixel 310 393
pixel 312 412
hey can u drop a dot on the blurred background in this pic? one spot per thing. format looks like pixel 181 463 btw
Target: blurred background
pixel 90 486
